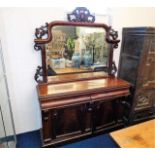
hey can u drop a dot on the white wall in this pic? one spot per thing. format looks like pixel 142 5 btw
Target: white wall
pixel 6 125
pixel 130 17
pixel 21 59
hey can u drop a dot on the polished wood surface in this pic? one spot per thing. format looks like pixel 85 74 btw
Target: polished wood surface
pixel 83 99
pixel 81 87
pixel 138 136
pixel 76 77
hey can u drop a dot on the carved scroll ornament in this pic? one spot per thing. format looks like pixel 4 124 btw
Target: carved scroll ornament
pixel 37 47
pixel 114 69
pixel 112 37
pixel 40 32
pixel 38 74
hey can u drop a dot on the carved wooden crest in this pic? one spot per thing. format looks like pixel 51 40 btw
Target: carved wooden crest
pixel 81 14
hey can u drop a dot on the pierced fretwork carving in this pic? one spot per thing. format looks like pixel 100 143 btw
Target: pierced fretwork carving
pixel 40 32
pixel 38 74
pixel 81 14
pixel 113 35
pixel 114 68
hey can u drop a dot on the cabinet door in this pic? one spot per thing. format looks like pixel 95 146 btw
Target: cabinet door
pixel 107 115
pixel 66 123
pixel 72 119
pixel 104 114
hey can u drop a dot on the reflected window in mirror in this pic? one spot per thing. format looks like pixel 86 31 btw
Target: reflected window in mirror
pixel 77 49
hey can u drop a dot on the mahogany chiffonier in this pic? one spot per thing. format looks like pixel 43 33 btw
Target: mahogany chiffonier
pixel 76 109
pixel 78 92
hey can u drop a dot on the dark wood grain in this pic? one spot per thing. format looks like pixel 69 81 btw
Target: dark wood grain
pixel 77 109
pixel 137 65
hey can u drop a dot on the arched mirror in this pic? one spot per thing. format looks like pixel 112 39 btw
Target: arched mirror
pixel 76 46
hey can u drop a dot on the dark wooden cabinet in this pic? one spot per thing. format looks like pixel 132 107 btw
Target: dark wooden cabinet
pixel 78 100
pixel 137 66
pixel 81 108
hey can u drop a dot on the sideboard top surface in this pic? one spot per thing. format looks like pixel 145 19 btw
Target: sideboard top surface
pixel 81 87
pixel 76 77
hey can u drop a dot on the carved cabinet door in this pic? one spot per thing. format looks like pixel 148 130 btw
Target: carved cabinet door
pixel 107 115
pixel 65 123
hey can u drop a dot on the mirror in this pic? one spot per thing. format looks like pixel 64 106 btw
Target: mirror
pixel 75 49
pixel 75 46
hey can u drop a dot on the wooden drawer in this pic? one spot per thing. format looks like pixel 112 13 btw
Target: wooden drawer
pixel 61 103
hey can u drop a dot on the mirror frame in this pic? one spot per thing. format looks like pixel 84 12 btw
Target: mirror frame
pixel 79 17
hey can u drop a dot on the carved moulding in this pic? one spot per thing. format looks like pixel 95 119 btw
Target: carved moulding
pixel 143 100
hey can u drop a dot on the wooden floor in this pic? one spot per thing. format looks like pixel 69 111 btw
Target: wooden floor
pixel 137 136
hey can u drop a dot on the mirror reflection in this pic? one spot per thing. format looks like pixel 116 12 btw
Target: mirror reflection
pixel 76 49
